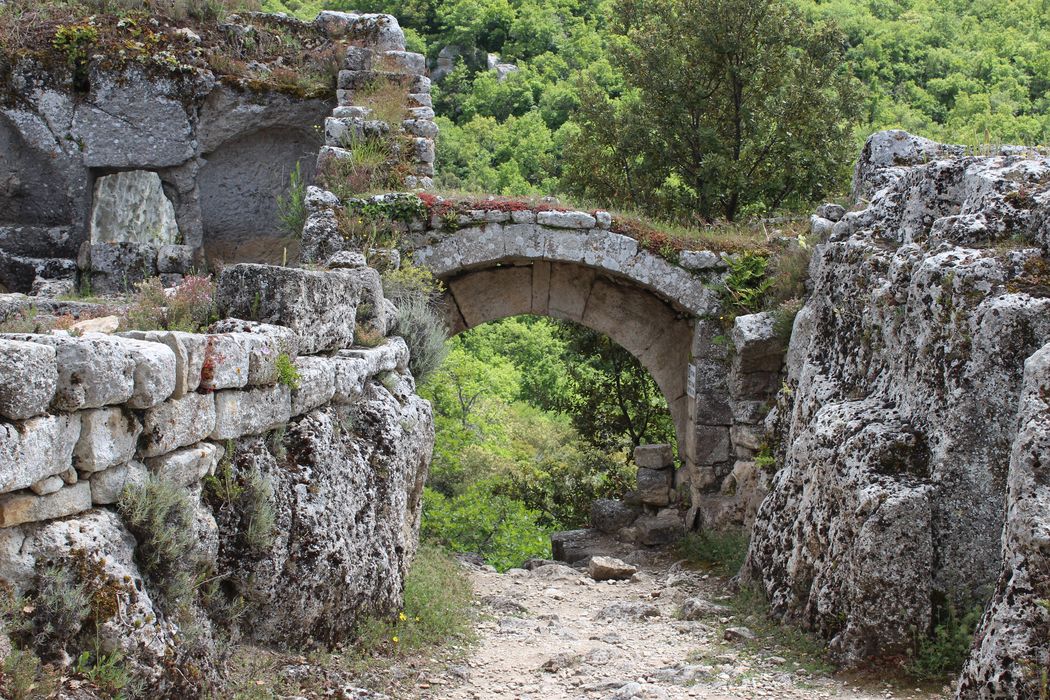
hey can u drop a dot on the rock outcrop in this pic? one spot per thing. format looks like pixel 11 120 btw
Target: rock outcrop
pixel 894 433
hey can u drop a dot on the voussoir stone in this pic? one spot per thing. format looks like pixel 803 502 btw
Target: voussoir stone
pixel 35 449
pixel 251 412
pixel 177 423
pixel 320 306
pixel 108 437
pixel 28 379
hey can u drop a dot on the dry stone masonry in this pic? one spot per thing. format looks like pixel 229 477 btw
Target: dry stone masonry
pixel 343 446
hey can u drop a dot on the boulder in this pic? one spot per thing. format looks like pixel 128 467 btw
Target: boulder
pixel 610 516
pixel 319 306
pixel 610 569
pixel 571 546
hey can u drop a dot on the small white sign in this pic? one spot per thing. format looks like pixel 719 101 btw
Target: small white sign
pixel 690 382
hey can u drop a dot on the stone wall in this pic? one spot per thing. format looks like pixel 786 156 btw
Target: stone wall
pixel 207 154
pixel 343 446
pixel 504 258
pixel 895 428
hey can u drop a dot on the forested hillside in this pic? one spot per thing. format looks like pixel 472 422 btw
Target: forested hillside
pixel 965 71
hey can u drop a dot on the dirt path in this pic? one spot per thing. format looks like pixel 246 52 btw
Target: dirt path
pixel 556 633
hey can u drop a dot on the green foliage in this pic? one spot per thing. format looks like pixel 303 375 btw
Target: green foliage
pixel 941 655
pixel 437 608
pixel 190 307
pixel 75 41
pixel 291 206
pixel 287 372
pixel 106 672
pixel 410 280
pixel 160 516
pixel 60 608
pixel 723 551
pixel 246 495
pixel 422 325
pixel 805 649
pixel 24 677
pixel 746 283
pixel 481 521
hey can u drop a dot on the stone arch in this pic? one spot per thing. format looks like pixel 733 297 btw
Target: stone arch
pixel 636 319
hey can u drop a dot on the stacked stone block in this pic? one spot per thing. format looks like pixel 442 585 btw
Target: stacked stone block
pixel 81 417
pixel 376 57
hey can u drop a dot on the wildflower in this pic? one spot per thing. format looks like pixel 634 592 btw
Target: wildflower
pixel 394 640
pixel 401 616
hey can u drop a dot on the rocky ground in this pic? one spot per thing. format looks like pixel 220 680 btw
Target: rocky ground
pixel 554 632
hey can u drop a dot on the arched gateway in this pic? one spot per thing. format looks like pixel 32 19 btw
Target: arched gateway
pixel 572 266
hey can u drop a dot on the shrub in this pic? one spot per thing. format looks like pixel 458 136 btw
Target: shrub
pixel 411 280
pixel 105 671
pixel 24 677
pixel 287 372
pixel 160 516
pixel 425 332
pixel 437 608
pixel 745 285
pixel 500 529
pixel 941 655
pixel 60 609
pixel 189 307
pixel 291 207
pixel 724 551
pixel 248 496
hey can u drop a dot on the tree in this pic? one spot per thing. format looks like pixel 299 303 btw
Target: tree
pixel 741 105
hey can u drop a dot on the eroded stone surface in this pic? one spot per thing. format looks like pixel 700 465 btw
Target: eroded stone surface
pixel 130 207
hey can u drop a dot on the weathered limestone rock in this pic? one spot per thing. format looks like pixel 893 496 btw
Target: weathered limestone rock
pixel 319 306
pixel 893 435
pixel 154 376
pixel 27 507
pixel 187 466
pixel 1012 648
pixel 265 343
pixel 610 569
pixel 654 486
pixel 654 456
pixel 36 449
pixel 316 384
pixel 759 348
pixel 48 485
pixel 356 523
pixel 611 516
pixel 115 268
pixel 130 207
pixel 177 423
pixel 108 437
pixel 565 219
pixel 108 485
pixel 93 370
pixel 28 379
pixel 250 412
pixel 572 546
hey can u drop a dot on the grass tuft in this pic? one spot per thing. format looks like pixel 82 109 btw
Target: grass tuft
pixel 722 551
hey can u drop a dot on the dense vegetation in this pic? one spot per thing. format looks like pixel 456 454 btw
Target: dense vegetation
pixel 531 429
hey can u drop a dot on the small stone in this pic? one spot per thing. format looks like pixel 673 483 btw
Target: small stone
pixel 700 260
pixel 738 634
pixel 102 324
pixel 654 456
pixel 346 259
pixel 48 485
pixel 609 569
pixel 565 219
pixel 831 212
